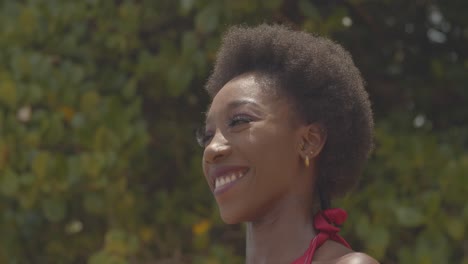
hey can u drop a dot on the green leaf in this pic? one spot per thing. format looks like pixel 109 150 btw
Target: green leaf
pixel 94 203
pixel 207 20
pixel 9 183
pixel 432 201
pixel 89 101
pixel 7 91
pixel 27 20
pixel 129 90
pixel 78 120
pixel 27 179
pixel 32 139
pixel 179 78
pixel 92 166
pixel 307 8
pixel 189 43
pixel 4 148
pixel 186 6
pixel 116 242
pixel 40 164
pixel 106 258
pixel 272 4
pixel 437 68
pixel 363 227
pixel 409 216
pixel 455 228
pixel 55 130
pixel 54 209
pixel 377 241
pixel 105 139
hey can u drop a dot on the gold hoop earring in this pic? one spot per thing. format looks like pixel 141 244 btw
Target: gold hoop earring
pixel 306 161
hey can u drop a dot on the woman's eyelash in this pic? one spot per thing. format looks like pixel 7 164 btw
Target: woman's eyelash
pixel 203 137
pixel 239 119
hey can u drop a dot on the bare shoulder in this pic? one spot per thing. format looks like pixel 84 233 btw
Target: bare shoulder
pixel 356 258
pixel 335 253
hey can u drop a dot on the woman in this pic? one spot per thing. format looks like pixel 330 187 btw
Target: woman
pixel 289 128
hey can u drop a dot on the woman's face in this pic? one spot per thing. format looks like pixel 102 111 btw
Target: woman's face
pixel 251 149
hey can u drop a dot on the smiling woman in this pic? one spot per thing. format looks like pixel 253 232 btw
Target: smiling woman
pixel 289 128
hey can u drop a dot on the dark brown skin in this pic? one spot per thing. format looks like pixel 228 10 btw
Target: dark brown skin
pixel 275 196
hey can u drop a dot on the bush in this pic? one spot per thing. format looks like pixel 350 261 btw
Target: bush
pixel 98 101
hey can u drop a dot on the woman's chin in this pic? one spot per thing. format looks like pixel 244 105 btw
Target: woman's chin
pixel 230 218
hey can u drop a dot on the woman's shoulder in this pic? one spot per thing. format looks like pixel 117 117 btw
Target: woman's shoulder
pixel 356 258
pixel 335 253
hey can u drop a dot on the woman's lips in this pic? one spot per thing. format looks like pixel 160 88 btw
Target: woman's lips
pixel 225 182
pixel 222 177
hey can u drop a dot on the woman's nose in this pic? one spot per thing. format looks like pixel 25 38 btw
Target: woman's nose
pixel 217 149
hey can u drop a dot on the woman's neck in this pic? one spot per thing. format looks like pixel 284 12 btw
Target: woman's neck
pixel 282 235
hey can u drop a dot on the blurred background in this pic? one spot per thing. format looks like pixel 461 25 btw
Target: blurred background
pixel 99 101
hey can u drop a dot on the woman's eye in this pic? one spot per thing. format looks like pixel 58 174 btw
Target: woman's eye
pixel 240 119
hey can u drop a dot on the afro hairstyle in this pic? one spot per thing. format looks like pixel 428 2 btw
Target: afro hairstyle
pixel 323 85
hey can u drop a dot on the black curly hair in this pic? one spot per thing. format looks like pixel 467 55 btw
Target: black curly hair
pixel 323 84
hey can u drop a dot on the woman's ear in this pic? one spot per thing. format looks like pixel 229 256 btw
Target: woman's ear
pixel 313 138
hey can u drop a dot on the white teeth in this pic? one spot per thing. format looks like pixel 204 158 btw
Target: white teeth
pixel 220 181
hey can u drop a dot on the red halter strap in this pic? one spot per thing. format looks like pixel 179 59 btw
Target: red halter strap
pixel 326 224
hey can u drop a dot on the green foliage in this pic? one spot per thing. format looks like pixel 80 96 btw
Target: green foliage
pixel 98 101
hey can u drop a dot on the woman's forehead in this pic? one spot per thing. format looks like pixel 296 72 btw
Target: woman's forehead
pixel 253 85
pixel 242 90
pixel 250 93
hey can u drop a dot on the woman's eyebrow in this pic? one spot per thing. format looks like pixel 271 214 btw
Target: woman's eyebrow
pixel 240 102
pixel 232 105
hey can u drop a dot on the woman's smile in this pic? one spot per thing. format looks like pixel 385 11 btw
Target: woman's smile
pixel 227 177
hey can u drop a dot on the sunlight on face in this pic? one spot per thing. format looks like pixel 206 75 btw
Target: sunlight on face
pixel 250 149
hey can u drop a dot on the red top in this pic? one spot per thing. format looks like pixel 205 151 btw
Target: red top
pixel 325 223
